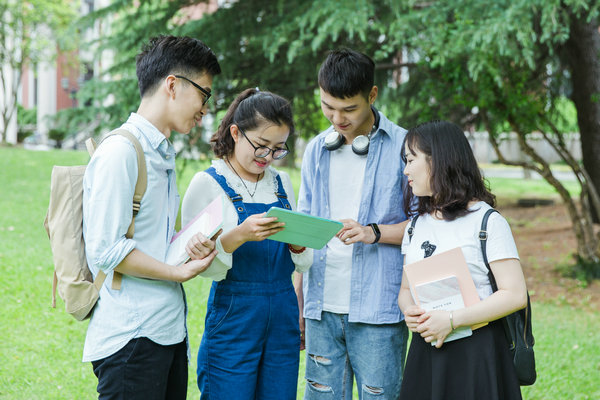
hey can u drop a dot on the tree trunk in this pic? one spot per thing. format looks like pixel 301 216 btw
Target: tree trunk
pixel 583 59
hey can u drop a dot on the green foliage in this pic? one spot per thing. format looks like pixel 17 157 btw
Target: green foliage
pixel 464 56
pixel 26 120
pixel 26 116
pixel 261 51
pixel 584 270
pixel 56 134
pixel 28 29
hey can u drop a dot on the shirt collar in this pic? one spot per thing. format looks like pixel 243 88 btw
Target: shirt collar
pixel 385 126
pixel 154 136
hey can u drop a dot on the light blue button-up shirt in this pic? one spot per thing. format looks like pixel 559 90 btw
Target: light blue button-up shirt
pixel 376 268
pixel 142 307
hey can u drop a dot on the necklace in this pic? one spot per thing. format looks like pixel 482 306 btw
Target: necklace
pixel 241 180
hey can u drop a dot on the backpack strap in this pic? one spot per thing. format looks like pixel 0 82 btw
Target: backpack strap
pixel 139 191
pixel 526 326
pixel 142 180
pixel 411 230
pixel 483 236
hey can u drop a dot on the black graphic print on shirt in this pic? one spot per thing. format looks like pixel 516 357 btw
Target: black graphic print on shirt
pixel 428 247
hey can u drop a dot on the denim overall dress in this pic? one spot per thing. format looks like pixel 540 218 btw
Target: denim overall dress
pixel 250 347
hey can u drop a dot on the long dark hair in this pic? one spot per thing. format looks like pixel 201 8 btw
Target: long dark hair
pixel 455 176
pixel 249 109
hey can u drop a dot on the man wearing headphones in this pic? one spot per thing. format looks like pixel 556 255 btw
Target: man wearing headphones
pixel 353 172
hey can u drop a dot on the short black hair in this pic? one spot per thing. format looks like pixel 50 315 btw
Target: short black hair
pixel 346 73
pixel 164 55
pixel 250 109
pixel 455 176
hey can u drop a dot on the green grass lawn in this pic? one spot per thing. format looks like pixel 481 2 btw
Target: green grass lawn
pixel 508 189
pixel 41 347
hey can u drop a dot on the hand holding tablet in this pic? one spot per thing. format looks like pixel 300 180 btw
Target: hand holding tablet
pixel 304 229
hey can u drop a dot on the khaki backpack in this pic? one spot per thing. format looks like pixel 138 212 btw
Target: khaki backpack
pixel 64 224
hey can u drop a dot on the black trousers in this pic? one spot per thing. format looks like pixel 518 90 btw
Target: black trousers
pixel 143 370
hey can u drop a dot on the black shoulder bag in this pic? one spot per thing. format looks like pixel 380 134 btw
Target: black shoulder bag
pixel 517 326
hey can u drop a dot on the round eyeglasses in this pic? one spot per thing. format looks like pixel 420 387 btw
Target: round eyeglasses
pixel 263 151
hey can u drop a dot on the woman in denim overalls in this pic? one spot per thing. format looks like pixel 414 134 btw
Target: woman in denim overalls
pixel 250 347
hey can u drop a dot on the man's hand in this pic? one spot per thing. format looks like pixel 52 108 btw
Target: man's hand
pixel 192 268
pixel 353 232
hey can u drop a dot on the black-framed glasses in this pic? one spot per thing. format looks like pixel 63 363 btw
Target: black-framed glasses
pixel 263 151
pixel 205 92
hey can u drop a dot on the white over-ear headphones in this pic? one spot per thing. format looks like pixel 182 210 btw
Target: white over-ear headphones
pixel 360 145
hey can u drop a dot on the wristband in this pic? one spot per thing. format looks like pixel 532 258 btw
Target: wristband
pixel 376 231
pixel 296 251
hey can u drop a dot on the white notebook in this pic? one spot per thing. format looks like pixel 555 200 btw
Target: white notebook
pixel 443 294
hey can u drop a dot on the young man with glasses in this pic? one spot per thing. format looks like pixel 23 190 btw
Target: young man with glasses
pixel 353 172
pixel 251 341
pixel 137 335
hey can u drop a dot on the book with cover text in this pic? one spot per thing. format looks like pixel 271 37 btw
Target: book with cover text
pixel 440 266
pixel 442 294
pixel 207 222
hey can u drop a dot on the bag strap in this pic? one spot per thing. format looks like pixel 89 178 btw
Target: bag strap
pixel 483 236
pixel 139 191
pixel 90 145
pixel 411 229
pixel 142 180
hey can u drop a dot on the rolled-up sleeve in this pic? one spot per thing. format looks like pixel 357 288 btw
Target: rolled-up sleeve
pixel 108 188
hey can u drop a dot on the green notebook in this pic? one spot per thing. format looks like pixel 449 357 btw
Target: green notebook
pixel 304 229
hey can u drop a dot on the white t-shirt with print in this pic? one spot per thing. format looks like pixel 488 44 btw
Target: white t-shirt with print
pixel 432 236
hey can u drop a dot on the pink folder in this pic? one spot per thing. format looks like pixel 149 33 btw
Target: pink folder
pixel 208 222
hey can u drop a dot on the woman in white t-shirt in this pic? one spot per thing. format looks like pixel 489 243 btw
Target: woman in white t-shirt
pixel 447 193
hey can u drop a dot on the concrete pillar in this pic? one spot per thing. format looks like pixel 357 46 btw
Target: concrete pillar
pixel 46 96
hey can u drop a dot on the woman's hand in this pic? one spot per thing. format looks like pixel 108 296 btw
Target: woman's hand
pixel 434 325
pixel 411 317
pixel 257 227
pixel 353 232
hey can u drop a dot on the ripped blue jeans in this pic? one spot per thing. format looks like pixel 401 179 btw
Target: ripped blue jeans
pixel 338 350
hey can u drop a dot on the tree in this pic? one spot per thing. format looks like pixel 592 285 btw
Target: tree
pixel 580 54
pixel 251 39
pixel 502 65
pixel 26 32
pixel 507 60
